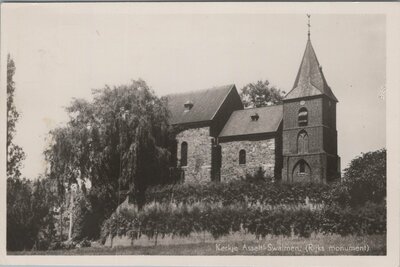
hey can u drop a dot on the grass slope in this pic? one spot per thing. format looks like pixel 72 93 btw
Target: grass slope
pixel 276 246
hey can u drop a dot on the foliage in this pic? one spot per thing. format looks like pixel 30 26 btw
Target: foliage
pixel 118 141
pixel 30 217
pixel 365 178
pixel 156 220
pixel 258 176
pixel 367 219
pixel 260 94
pixel 85 220
pixel 15 154
pixel 30 220
pixel 252 193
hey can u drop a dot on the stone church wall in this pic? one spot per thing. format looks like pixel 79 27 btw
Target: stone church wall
pixel 198 169
pixel 260 153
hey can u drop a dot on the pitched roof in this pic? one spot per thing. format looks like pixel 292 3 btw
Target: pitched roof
pixel 241 123
pixel 310 80
pixel 205 104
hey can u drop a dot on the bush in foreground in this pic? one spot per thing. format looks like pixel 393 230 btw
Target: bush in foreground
pixel 182 220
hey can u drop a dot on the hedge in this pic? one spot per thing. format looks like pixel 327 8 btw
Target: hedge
pixel 182 220
pixel 264 193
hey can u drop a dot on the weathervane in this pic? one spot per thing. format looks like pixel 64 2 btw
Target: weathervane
pixel 309 25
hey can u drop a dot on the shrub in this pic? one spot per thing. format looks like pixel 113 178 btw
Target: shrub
pixel 236 192
pixel 177 219
pixel 365 178
pixel 305 222
pixel 368 219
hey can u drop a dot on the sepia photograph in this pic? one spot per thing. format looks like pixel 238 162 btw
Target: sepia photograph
pixel 134 132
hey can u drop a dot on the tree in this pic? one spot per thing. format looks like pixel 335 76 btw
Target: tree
pixel 261 94
pixel 365 177
pixel 29 214
pixel 27 202
pixel 118 141
pixel 15 154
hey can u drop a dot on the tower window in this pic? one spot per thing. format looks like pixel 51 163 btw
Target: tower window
pixel 302 167
pixel 184 152
pixel 303 117
pixel 302 142
pixel 242 156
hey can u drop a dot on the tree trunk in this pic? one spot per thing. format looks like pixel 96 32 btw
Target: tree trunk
pixel 61 224
pixel 70 215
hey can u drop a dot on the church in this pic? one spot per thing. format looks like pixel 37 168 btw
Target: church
pixel 296 141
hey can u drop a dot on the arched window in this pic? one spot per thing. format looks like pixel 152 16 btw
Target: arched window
pixel 302 142
pixel 242 156
pixel 184 151
pixel 303 117
pixel 302 167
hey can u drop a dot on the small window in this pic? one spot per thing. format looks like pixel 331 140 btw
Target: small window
pixel 188 105
pixel 255 117
pixel 242 156
pixel 184 151
pixel 303 117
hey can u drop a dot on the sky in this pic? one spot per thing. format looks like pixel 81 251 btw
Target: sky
pixel 62 52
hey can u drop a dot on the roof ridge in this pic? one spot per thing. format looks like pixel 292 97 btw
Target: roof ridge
pixel 269 106
pixel 230 86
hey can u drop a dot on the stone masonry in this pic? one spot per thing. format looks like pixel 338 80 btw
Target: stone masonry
pixel 295 141
pixel 198 169
pixel 259 153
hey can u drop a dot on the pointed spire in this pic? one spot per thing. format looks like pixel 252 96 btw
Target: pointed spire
pixel 309 25
pixel 310 80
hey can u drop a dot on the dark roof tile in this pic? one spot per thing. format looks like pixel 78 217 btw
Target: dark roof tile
pixel 310 80
pixel 241 123
pixel 204 104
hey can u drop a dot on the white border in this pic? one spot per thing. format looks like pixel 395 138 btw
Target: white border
pixel 392 12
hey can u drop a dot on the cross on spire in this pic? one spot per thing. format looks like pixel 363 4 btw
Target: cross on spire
pixel 309 25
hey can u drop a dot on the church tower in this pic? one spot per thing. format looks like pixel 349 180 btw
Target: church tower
pixel 309 125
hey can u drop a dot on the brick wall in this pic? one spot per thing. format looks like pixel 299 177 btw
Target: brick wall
pixel 198 169
pixel 259 153
pixel 315 168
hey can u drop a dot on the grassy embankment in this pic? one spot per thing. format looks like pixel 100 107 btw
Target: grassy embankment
pixel 239 244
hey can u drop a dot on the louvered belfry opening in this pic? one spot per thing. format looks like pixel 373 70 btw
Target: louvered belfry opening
pixel 303 117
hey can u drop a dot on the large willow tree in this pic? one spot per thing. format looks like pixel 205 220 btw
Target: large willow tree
pixel 120 140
